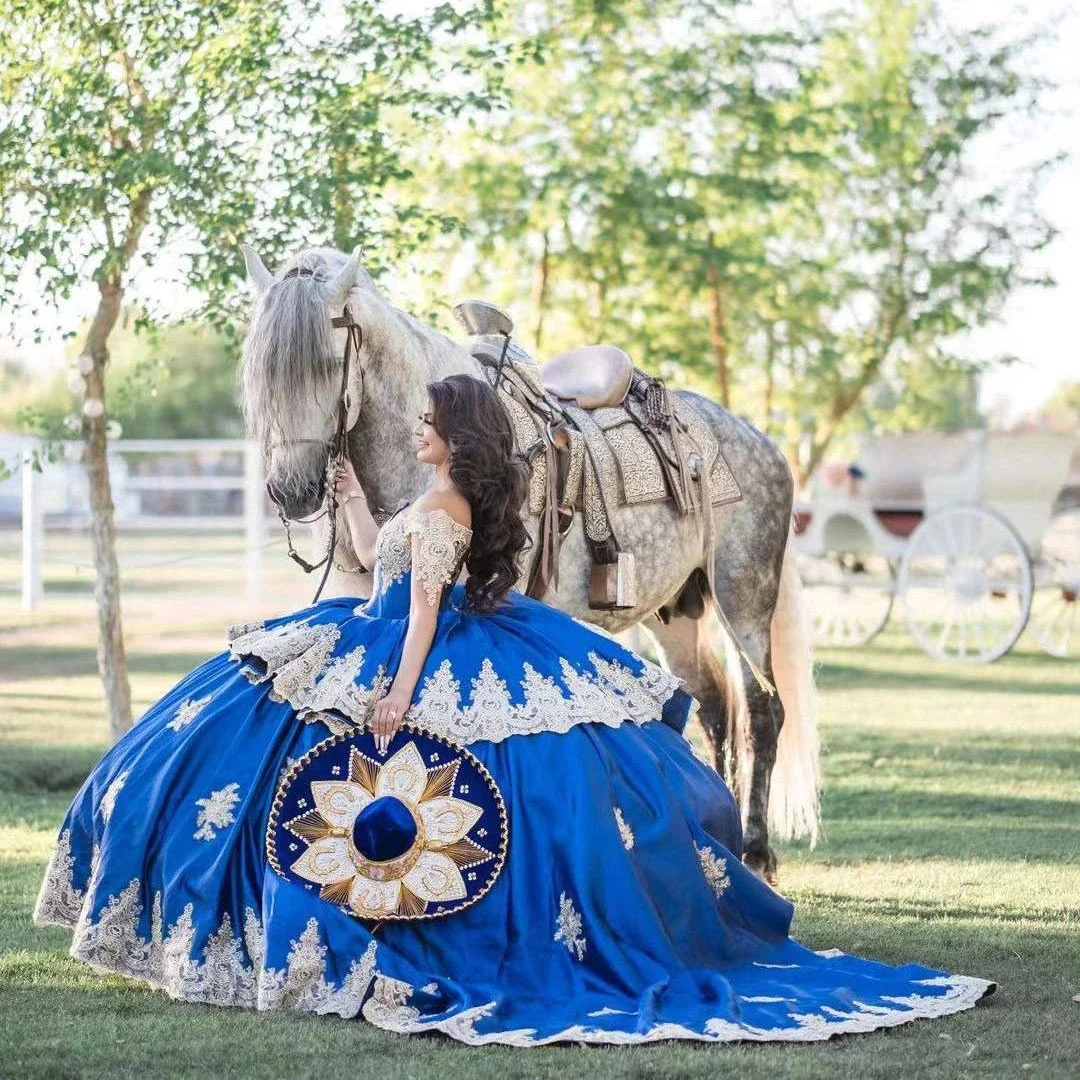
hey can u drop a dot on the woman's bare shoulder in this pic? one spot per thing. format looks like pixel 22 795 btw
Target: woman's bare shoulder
pixel 453 503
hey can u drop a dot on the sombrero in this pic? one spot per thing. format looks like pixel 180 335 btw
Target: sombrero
pixel 416 833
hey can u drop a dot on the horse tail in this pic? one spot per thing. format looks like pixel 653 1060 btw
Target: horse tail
pixel 794 810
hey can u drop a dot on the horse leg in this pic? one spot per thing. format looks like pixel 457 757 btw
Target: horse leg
pixel 756 755
pixel 757 716
pixel 684 642
pixel 773 738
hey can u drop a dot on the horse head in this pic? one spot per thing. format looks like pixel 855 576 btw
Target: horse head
pixel 292 369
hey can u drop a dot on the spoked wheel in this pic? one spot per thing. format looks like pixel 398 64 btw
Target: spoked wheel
pixel 849 597
pixel 966 584
pixel 1055 620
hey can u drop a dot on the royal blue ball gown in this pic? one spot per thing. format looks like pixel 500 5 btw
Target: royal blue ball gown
pixel 539 856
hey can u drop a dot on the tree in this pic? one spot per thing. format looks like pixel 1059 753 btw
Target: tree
pixel 785 215
pixel 127 126
pixel 913 248
pixel 162 382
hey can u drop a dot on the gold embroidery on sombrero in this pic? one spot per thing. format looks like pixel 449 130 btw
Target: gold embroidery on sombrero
pixel 429 872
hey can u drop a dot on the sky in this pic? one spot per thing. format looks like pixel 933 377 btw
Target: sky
pixel 1039 324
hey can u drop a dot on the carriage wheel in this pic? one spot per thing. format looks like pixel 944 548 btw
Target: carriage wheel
pixel 849 597
pixel 966 585
pixel 1055 621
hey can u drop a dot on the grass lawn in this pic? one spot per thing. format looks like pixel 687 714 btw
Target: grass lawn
pixel 952 837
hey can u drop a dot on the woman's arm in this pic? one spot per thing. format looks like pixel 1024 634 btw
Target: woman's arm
pixel 362 527
pixel 391 710
pixel 433 564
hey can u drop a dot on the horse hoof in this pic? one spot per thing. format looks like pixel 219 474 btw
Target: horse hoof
pixel 763 863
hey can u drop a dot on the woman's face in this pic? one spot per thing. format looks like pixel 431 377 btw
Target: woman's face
pixel 431 448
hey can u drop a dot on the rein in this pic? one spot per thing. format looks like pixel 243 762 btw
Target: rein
pixel 354 340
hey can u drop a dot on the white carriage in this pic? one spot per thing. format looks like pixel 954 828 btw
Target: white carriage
pixel 976 535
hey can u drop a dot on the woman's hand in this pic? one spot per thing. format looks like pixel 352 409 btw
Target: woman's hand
pixel 389 712
pixel 346 482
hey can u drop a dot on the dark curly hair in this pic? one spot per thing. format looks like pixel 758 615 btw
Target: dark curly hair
pixel 491 475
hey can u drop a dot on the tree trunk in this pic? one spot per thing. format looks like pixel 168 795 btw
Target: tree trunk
pixel 718 336
pixel 344 213
pixel 849 395
pixel 112 659
pixel 770 379
pixel 542 280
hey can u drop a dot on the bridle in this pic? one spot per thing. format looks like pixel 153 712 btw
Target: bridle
pixel 354 340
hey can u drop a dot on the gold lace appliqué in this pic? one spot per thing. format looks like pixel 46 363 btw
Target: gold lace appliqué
pixel 443 544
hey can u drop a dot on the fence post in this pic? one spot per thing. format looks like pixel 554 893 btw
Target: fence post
pixel 254 517
pixel 33 534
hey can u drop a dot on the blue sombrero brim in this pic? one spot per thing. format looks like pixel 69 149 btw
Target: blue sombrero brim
pixel 419 832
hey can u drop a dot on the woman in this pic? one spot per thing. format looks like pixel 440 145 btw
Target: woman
pixel 449 808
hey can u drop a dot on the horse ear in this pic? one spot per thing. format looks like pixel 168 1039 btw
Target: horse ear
pixel 258 275
pixel 340 287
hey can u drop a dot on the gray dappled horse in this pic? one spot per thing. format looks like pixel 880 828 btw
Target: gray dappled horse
pixel 765 740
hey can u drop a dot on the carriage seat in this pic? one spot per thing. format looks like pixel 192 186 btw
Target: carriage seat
pixel 595 376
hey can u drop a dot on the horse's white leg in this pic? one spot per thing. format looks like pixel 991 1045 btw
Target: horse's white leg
pixel 754 731
pixel 796 779
pixel 688 652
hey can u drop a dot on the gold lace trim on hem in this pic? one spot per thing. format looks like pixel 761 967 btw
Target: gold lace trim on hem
pixel 228 968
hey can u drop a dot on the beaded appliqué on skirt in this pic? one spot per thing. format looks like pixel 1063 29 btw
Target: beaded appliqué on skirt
pixel 714 868
pixel 216 811
pixel 568 928
pixel 626 834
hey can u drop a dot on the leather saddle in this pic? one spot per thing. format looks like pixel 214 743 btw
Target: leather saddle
pixel 597 434
pixel 595 376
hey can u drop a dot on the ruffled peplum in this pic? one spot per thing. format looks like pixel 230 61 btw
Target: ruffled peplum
pixel 521 670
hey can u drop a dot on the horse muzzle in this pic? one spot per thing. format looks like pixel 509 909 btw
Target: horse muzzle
pixel 298 500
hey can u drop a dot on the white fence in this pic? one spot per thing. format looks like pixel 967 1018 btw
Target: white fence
pixel 59 495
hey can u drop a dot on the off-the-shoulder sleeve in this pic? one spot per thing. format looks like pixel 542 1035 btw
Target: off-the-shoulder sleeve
pixel 440 544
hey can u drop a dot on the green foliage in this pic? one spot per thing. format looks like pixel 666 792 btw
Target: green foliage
pixel 131 127
pixel 784 214
pixel 127 125
pixel 174 382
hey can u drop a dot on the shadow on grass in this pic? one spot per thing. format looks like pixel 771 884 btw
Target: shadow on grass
pixel 56 661
pixel 1028 751
pixel 1051 929
pixel 902 804
pixel 45 770
pixel 834 675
